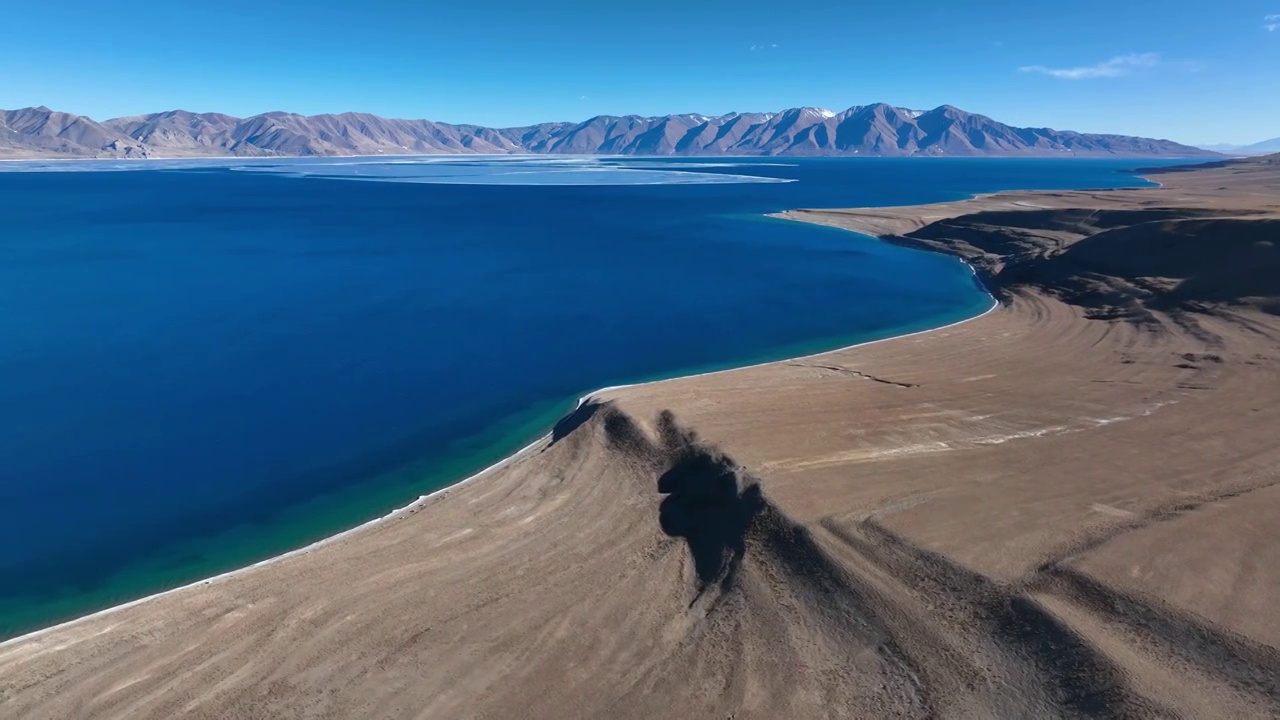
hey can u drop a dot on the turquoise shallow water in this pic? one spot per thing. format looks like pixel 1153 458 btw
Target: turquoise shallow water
pixel 201 367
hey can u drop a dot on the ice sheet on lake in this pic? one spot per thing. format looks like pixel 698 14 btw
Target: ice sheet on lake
pixel 444 169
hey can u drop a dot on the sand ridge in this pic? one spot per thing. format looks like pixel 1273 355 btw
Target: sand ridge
pixel 1064 508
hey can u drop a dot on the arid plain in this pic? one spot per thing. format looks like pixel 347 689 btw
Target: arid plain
pixel 1068 507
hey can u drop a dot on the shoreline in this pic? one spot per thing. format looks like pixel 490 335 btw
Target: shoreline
pixel 392 515
pixel 422 500
pixel 926 511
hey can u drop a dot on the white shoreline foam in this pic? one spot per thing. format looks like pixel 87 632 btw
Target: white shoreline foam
pixel 36 635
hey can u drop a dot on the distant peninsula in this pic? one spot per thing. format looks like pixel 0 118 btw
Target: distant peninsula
pixel 877 130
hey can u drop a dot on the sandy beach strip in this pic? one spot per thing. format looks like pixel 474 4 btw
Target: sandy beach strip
pixel 1062 508
pixel 422 500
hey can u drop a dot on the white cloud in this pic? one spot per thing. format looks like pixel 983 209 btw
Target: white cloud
pixel 1115 67
pixel 1271 22
pixel 768 46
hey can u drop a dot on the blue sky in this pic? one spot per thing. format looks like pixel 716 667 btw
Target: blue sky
pixel 1190 71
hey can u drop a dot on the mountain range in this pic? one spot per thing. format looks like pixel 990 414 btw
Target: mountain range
pixel 867 130
pixel 1259 148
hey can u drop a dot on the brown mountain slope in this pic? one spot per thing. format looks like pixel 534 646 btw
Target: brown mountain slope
pixel 1211 239
pixel 878 129
pixel 50 133
pixel 179 130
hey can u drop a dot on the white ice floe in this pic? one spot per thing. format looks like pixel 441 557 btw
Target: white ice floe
pixel 441 169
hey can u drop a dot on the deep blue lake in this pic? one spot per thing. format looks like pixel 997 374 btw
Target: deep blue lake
pixel 208 364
